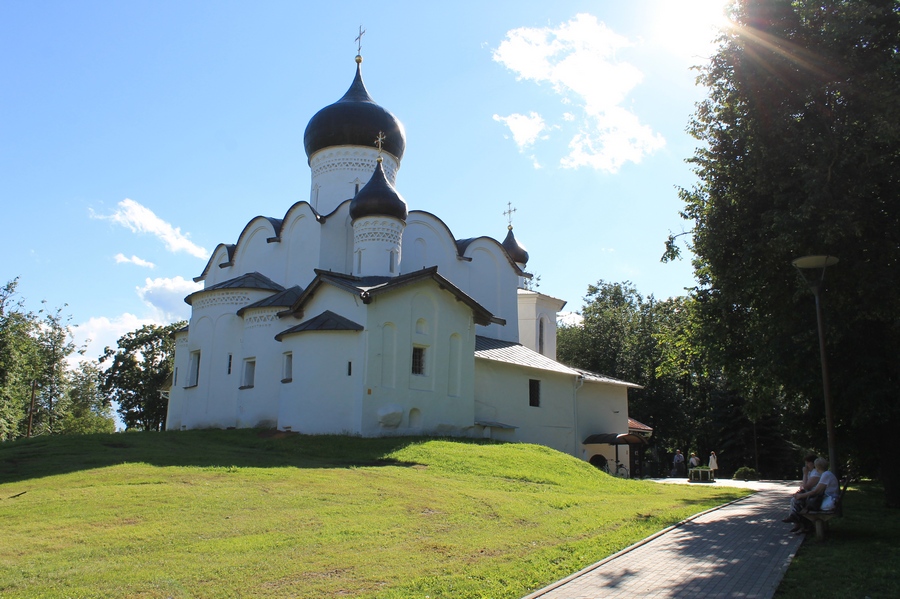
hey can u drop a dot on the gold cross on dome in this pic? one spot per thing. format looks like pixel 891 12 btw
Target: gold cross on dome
pixel 379 141
pixel 508 213
pixel 362 32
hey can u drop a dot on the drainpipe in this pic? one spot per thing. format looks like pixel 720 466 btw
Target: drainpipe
pixel 579 382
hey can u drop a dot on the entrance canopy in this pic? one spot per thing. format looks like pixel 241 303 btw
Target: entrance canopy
pixel 615 439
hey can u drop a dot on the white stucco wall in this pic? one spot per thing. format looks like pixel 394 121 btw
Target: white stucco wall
pixel 439 401
pixel 602 408
pixel 502 394
pixel 301 240
pixel 322 398
pixel 484 272
pixel 176 393
pixel 534 308
pixel 336 170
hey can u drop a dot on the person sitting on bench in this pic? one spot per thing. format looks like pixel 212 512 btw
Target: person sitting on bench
pixel 810 480
pixel 828 487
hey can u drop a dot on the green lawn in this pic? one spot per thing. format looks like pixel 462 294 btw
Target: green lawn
pixel 245 514
pixel 860 556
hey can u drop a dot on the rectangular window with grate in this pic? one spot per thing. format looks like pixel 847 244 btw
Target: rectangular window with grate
pixel 418 361
pixel 534 393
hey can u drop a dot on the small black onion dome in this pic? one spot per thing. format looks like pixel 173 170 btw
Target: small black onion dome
pixel 516 250
pixel 378 198
pixel 354 120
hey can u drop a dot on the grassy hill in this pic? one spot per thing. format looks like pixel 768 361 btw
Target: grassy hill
pixel 248 513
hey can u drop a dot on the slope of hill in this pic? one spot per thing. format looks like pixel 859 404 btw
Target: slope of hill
pixel 261 514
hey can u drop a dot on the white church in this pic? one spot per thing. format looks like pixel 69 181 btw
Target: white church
pixel 352 314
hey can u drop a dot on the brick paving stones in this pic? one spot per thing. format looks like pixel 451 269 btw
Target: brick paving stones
pixel 739 550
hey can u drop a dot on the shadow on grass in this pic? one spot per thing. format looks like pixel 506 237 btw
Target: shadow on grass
pixel 244 448
pixel 859 555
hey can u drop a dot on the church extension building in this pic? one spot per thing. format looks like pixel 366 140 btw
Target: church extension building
pixel 353 315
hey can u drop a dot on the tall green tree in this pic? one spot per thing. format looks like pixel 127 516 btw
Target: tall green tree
pixel 55 344
pixel 801 155
pixel 684 396
pixel 19 359
pixel 89 408
pixel 139 370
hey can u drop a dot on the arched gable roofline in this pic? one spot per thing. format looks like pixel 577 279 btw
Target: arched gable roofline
pixel 275 223
pixel 437 219
pixel 296 206
pixel 229 249
pixel 337 209
pixel 367 288
pixel 464 244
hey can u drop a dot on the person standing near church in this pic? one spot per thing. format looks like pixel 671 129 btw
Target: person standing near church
pixel 713 463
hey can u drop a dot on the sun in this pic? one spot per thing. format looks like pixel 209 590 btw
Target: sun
pixel 687 28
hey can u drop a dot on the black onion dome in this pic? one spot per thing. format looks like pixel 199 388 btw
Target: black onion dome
pixel 516 250
pixel 378 198
pixel 354 120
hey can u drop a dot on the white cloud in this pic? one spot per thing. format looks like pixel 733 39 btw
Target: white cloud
pixel 101 332
pixel 122 258
pixel 569 319
pixel 141 219
pixel 525 129
pixel 166 297
pixel 579 58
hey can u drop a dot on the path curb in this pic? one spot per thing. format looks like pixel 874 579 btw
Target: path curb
pixel 594 566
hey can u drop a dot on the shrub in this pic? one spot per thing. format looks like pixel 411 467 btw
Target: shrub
pixel 745 473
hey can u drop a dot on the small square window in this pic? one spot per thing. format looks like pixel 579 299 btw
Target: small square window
pixel 534 393
pixel 418 361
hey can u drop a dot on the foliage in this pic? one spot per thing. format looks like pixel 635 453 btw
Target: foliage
pixel 140 370
pixel 745 473
pixel 89 409
pixel 275 515
pixel 858 558
pixel 800 155
pixel 684 396
pixel 34 349
pixel 19 353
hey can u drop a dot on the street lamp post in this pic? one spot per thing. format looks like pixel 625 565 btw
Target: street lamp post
pixel 816 284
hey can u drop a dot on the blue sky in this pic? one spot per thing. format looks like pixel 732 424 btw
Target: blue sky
pixel 136 136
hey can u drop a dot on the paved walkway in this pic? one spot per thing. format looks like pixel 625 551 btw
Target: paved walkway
pixel 739 550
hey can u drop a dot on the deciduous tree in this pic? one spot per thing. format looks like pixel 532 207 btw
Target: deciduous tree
pixel 140 368
pixel 801 155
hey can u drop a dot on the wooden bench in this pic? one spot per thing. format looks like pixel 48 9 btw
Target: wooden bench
pixel 820 519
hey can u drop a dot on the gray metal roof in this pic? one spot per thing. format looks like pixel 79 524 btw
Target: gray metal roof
pixel 593 377
pixel 282 299
pixel 369 287
pixel 326 321
pixel 487 348
pixel 251 280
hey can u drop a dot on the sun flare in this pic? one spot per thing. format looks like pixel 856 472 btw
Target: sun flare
pixel 688 27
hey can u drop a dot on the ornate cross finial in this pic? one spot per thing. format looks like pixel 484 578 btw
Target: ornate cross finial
pixel 362 32
pixel 379 142
pixel 508 213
